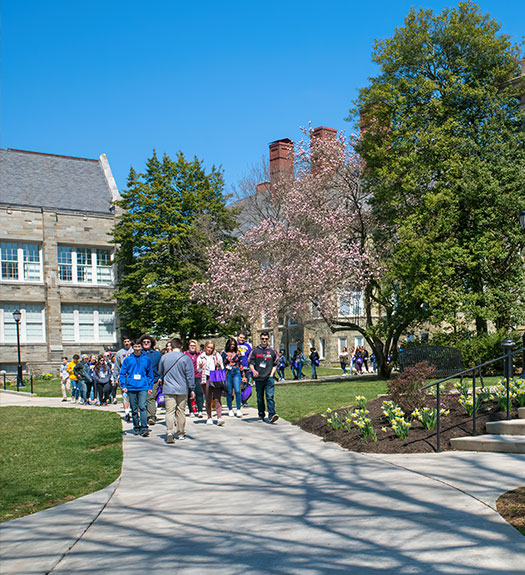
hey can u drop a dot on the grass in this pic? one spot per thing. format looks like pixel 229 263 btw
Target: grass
pixel 52 455
pixel 43 388
pixel 297 400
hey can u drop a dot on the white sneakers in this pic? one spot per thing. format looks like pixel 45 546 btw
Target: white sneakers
pixel 220 421
pixel 210 421
pixel 239 413
pixel 230 413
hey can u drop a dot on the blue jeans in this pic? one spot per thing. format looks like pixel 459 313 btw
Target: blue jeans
pixel 314 371
pixel 280 371
pixel 138 401
pixel 75 391
pixel 343 366
pixel 265 387
pixel 83 390
pixel 300 373
pixel 233 382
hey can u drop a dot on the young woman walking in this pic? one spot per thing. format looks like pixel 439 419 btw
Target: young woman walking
pixel 209 360
pixel 232 361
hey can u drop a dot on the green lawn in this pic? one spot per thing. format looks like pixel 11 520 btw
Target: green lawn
pixel 295 401
pixel 52 455
pixel 43 388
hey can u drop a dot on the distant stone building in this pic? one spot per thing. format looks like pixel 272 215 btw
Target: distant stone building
pixel 56 257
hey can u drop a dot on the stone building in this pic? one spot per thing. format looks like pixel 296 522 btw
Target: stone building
pixel 56 257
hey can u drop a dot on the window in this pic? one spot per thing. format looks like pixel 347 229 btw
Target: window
pixel 341 343
pixel 312 343
pixel 265 320
pixel 292 321
pixel 314 311
pixel 424 336
pixel 359 341
pixel 20 262
pixel 87 323
pixel 32 324
pixel 85 265
pixel 410 338
pixel 322 347
pixel 350 304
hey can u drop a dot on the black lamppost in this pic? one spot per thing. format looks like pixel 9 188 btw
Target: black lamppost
pixel 17 316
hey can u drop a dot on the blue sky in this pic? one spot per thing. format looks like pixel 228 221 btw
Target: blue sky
pixel 219 80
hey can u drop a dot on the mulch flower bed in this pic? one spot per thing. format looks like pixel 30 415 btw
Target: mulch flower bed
pixel 419 440
pixel 511 506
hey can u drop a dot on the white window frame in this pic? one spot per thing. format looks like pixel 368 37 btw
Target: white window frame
pixel 359 341
pixel 96 325
pixel 94 267
pixel 265 322
pixel 312 343
pixel 23 323
pixel 20 261
pixel 341 342
pixel 322 347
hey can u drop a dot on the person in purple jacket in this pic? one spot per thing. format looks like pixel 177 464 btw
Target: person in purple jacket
pixel 246 349
pixel 136 378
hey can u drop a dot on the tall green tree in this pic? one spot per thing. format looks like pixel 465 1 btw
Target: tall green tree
pixel 170 214
pixel 443 142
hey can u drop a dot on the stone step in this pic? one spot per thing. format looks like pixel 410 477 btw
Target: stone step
pixel 495 443
pixel 521 412
pixel 506 427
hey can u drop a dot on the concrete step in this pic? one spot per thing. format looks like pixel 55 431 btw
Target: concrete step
pixel 495 443
pixel 506 427
pixel 521 412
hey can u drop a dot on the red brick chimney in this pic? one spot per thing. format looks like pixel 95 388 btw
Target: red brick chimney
pixel 281 161
pixel 262 187
pixel 324 134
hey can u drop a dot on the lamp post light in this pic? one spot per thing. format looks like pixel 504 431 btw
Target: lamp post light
pixel 17 316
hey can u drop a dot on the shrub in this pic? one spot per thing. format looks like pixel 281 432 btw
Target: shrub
pixel 405 388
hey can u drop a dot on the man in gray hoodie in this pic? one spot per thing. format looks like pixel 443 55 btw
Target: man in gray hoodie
pixel 178 379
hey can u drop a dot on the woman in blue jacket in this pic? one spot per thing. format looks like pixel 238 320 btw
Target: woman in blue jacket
pixel 136 378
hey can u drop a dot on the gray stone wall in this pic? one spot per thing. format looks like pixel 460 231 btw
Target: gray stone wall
pixel 49 229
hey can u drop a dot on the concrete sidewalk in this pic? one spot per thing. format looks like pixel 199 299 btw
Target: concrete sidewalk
pixel 252 498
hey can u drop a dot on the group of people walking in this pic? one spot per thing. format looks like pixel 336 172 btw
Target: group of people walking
pixel 196 377
pixel 357 360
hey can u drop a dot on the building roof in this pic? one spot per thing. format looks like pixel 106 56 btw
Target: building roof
pixel 34 179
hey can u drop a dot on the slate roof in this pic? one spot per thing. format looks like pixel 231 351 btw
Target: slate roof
pixel 49 181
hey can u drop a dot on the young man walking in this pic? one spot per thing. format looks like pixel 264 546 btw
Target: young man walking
pixel 120 356
pixel 178 379
pixel 263 363
pixel 64 379
pixel 148 349
pixel 136 379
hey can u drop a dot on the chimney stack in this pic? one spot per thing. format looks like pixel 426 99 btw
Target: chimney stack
pixel 320 134
pixel 281 161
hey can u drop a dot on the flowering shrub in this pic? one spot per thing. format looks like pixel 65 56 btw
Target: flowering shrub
pixel 428 416
pixel 47 376
pixel 516 393
pixel 396 418
pixel 364 423
pixel 360 401
pixel 336 421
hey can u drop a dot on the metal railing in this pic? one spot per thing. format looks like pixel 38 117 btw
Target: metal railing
pixel 18 385
pixel 507 374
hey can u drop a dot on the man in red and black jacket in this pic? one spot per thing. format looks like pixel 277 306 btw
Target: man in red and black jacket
pixel 263 364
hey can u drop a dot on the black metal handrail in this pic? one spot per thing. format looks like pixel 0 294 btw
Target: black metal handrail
pixel 507 374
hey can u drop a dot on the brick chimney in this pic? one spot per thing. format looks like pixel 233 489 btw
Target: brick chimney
pixel 262 187
pixel 322 133
pixel 281 161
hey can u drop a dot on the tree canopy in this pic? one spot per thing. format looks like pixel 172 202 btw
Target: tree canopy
pixel 170 214
pixel 443 142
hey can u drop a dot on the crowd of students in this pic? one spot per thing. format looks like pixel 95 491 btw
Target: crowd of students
pixel 357 360
pixel 197 377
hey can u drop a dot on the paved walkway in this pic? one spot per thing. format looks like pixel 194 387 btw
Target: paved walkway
pixel 252 498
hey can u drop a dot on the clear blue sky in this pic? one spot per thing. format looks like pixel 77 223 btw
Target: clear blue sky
pixel 219 80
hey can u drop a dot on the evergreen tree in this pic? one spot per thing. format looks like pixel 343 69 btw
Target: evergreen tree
pixel 171 213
